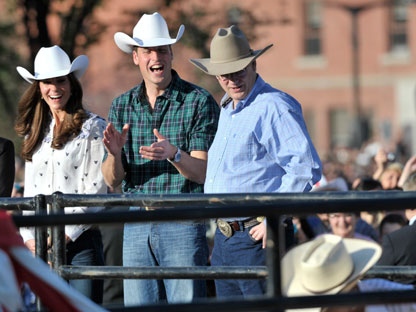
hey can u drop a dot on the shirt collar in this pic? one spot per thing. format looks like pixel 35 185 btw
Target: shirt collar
pixel 171 92
pixel 247 100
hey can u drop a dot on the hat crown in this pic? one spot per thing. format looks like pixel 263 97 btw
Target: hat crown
pixel 151 26
pixel 150 31
pixel 326 264
pixel 228 45
pixel 51 60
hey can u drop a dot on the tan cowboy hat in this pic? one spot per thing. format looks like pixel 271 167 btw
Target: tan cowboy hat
pixel 230 52
pixel 326 265
pixel 53 62
pixel 150 31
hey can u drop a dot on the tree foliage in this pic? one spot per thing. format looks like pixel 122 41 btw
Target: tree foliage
pixel 74 18
pixel 77 30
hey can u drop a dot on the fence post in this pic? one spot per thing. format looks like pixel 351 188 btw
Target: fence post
pixel 58 235
pixel 274 241
pixel 41 236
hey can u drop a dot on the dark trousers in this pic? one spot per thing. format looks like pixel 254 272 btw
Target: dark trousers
pixel 112 236
pixel 87 250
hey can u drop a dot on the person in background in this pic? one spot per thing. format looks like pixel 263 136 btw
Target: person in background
pixel 330 265
pixel 262 145
pixel 63 151
pixel 344 225
pixel 399 246
pixel 390 176
pixel 366 183
pixel 390 223
pixel 310 226
pixel 381 160
pixel 7 171
pixel 157 142
pixel 19 183
pixel 408 168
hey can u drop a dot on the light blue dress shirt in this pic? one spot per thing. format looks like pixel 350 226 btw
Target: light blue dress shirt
pixel 262 146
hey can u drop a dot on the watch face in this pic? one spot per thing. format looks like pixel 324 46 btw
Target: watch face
pixel 177 156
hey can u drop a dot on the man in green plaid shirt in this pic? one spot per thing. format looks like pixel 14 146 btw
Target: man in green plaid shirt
pixel 157 140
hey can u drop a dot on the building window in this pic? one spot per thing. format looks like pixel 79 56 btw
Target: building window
pixel 340 127
pixel 398 25
pixel 313 27
pixel 311 123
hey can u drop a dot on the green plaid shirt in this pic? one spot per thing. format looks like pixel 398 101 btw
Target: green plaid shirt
pixel 185 114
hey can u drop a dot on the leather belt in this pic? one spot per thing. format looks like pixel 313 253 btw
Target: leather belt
pixel 229 227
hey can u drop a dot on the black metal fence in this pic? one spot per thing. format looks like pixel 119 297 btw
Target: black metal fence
pixel 203 206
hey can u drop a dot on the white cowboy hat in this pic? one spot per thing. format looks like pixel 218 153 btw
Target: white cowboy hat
pixel 230 52
pixel 328 264
pixel 150 31
pixel 53 62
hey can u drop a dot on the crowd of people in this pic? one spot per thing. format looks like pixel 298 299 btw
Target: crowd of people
pixel 169 136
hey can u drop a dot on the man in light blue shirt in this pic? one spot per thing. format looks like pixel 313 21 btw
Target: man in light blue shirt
pixel 261 145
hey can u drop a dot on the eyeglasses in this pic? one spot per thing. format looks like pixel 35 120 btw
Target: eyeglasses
pixel 232 76
pixel 340 215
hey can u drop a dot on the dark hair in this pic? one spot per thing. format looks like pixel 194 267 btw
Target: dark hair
pixel 391 218
pixel 33 118
pixel 368 184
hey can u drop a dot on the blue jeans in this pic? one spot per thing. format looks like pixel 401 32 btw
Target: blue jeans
pixel 238 250
pixel 164 244
pixel 87 250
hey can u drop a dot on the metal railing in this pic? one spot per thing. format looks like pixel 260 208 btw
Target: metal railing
pixel 204 206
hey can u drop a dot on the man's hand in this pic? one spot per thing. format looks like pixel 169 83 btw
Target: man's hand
pixel 114 140
pixel 259 232
pixel 160 150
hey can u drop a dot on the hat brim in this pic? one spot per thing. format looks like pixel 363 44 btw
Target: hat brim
pixel 216 69
pixel 78 67
pixel 363 253
pixel 127 43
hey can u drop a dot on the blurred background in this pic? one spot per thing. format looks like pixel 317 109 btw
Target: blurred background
pixel 350 63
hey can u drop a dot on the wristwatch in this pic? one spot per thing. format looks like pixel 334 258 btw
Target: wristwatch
pixel 177 157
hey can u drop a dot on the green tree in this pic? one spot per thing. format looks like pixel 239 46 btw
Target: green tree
pixel 9 81
pixel 78 29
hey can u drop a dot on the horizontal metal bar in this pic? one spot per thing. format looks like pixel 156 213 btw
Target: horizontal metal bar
pixel 188 207
pixel 197 272
pixel 201 272
pixel 391 272
pixel 17 203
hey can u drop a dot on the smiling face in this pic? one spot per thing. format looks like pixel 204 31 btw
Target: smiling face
pixel 239 84
pixel 56 93
pixel 343 224
pixel 389 179
pixel 155 65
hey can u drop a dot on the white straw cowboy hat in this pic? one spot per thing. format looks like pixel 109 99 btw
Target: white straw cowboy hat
pixel 53 62
pixel 230 52
pixel 150 31
pixel 326 265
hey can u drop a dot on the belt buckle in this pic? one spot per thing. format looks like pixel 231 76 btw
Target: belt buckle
pixel 225 228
